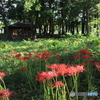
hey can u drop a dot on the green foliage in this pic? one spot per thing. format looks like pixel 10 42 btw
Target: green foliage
pixel 95 21
pixel 38 7
pixel 1 24
pixel 28 6
pixel 3 45
pixel 27 87
pixel 29 3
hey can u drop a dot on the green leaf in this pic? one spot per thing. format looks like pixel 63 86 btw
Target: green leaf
pixel 38 7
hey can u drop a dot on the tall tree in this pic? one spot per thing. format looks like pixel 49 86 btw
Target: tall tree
pixel 45 14
pixel 32 8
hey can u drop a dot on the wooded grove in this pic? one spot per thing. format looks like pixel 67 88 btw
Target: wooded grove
pixel 66 16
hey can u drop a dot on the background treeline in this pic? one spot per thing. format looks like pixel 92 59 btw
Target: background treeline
pixel 66 16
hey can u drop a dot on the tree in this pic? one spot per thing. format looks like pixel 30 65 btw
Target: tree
pixel 95 22
pixel 33 7
pixel 46 14
pixel 3 11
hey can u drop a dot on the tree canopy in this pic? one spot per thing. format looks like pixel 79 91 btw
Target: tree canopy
pixel 74 16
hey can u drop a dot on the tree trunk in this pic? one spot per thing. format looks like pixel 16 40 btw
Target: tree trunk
pixel 66 27
pixel 62 27
pixel 72 27
pixel 33 29
pixel 83 23
pixel 77 28
pixel 6 32
pixel 87 21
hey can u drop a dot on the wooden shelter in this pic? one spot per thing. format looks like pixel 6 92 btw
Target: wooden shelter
pixel 20 30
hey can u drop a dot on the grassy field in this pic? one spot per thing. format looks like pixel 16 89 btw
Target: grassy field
pixel 50 69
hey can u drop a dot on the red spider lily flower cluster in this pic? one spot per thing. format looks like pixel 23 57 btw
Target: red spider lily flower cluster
pixel 58 56
pixel 75 70
pixel 22 68
pixel 2 74
pixel 23 58
pixel 76 56
pixel 58 84
pixel 5 93
pixel 69 70
pixel 84 53
pixel 60 70
pixel 44 55
pixel 18 56
pixel 97 64
pixel 86 57
pixel 57 66
pixel 44 76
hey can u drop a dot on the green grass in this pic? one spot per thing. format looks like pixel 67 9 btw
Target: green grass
pixel 24 83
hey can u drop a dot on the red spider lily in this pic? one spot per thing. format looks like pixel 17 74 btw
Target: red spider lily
pixel 84 51
pixel 22 68
pixel 44 56
pixel 2 74
pixel 53 66
pixel 76 56
pixel 63 69
pixel 58 56
pixel 83 64
pixel 80 68
pixel 17 55
pixel 5 93
pixel 57 66
pixel 71 71
pixel 44 76
pixel 60 69
pixel 24 58
pixel 39 55
pixel 74 70
pixel 97 64
pixel 86 57
pixel 58 84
